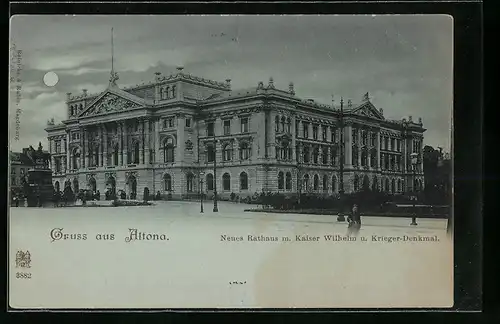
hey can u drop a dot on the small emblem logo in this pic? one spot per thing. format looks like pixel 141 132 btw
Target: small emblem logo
pixel 23 259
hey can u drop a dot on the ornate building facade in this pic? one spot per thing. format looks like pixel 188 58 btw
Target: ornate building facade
pixel 166 134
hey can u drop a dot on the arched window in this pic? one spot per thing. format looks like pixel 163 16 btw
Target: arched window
pixel 226 182
pixel 168 150
pixel 284 151
pixel 189 182
pixel 210 153
pixel 167 179
pixel 334 183
pixel 306 182
pixel 315 155
pixel 243 181
pixel 115 155
pixel 210 182
pixel 288 181
pixel 386 184
pixel 227 152
pixel 75 158
pixel 324 157
pixel 356 182
pixel 364 158
pixel 136 152
pixel 316 182
pixel 244 151
pixel 162 96
pixel 281 181
pixel 305 154
pixel 373 159
pixel 76 185
pixel 325 183
pixel 57 186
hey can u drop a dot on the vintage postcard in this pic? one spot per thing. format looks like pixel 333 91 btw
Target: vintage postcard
pixel 230 161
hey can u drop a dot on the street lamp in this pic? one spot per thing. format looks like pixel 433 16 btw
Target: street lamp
pixel 202 174
pixel 414 161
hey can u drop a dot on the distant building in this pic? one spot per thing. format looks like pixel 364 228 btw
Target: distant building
pixel 162 134
pixel 30 172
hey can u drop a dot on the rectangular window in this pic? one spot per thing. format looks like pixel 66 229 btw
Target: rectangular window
pixel 315 132
pixel 393 146
pixel 334 131
pixel 210 153
pixel 227 127
pixel 372 138
pixel 305 130
pixel 324 133
pixel 188 122
pixel 244 125
pixel 170 122
pixel 210 129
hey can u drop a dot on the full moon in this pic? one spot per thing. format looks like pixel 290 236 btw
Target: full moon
pixel 50 79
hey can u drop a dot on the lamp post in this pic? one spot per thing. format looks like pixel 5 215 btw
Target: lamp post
pixel 340 216
pixel 201 190
pixel 414 162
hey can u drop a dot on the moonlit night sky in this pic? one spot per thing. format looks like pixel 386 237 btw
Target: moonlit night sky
pixel 405 62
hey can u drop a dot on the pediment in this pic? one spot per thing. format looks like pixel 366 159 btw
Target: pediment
pixel 369 111
pixel 110 102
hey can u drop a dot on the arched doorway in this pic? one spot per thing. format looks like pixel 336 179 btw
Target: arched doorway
pixel 76 186
pixel 167 181
pixel 132 187
pixel 57 186
pixel 110 188
pixel 92 184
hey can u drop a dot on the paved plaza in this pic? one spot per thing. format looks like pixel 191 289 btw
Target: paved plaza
pixel 194 267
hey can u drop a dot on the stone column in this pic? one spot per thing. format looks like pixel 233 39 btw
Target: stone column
pixel 105 145
pixel 158 157
pixel 82 149
pixel 68 157
pixel 141 141
pixel 101 144
pixel 272 136
pixel 181 123
pixel 125 144
pixel 294 138
pixel 358 131
pixel 147 145
pixel 86 146
pixel 119 130
pixel 348 145
pixel 378 146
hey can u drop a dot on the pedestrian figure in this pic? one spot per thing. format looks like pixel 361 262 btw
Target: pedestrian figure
pixel 354 218
pixel 16 201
